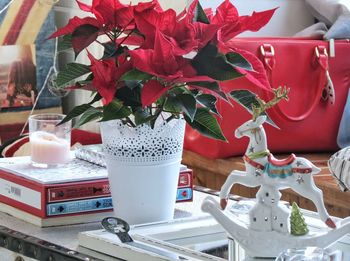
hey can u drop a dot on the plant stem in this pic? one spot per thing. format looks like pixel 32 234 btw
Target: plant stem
pixel 126 37
pixel 129 121
pixel 170 118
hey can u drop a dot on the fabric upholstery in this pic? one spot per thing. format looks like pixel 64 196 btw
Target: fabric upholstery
pixel 328 11
pixel 340 29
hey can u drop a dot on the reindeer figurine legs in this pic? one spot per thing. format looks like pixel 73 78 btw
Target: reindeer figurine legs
pixel 305 186
pixel 262 169
pixel 239 177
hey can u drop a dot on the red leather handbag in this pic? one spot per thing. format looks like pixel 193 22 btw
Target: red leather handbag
pixel 309 121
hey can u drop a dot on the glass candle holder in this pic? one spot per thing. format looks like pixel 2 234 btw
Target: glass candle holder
pixel 49 142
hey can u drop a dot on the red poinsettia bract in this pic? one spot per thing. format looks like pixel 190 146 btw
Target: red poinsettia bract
pixel 152 55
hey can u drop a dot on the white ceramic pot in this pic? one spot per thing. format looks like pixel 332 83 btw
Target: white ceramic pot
pixel 143 169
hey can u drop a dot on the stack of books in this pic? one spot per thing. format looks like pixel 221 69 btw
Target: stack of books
pixel 77 192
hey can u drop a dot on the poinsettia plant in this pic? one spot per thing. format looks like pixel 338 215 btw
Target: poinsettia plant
pixel 157 62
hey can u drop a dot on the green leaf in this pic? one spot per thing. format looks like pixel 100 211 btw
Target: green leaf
pixel 172 105
pixel 200 15
pixel 115 110
pixel 135 74
pixel 96 98
pixel 237 60
pixel 208 101
pixel 133 84
pixel 210 63
pixel 112 50
pixel 142 116
pixel 212 86
pixel 180 100
pixel 75 112
pixel 89 115
pixel 131 97
pixel 206 124
pixel 65 43
pixel 87 80
pixel 246 99
pixel 71 72
pixel 188 104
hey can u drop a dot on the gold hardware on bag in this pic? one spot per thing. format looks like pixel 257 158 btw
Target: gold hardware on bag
pixel 267 48
pixel 317 51
pixel 331 48
pixel 328 91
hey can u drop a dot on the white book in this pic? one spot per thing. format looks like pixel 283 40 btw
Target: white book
pixel 94 153
pixel 179 239
pixel 75 170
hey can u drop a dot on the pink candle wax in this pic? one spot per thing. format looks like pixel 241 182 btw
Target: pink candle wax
pixel 47 148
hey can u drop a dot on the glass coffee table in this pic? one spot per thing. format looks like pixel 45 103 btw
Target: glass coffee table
pixel 193 235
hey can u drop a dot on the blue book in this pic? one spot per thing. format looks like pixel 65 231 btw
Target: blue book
pixel 79 206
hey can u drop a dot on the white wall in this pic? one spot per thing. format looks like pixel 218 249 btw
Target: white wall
pixel 177 5
pixel 291 16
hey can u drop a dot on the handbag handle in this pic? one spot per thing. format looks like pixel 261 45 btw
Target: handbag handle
pixel 320 63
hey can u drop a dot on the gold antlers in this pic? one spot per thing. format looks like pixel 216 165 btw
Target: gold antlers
pixel 279 94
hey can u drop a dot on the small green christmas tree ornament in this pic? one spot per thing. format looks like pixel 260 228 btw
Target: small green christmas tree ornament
pixel 298 226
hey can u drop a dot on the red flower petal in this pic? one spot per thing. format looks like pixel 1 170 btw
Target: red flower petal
pixel 73 24
pixel 257 20
pixel 205 33
pixel 124 17
pixel 104 77
pixel 136 40
pixel 142 60
pixel 163 58
pixel 149 21
pixel 225 13
pixel 83 36
pixel 87 87
pixel 122 69
pixel 104 10
pixel 257 77
pixel 191 10
pixel 143 6
pixel 183 37
pixel 151 91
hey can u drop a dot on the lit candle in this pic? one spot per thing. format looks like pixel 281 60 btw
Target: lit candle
pixel 47 148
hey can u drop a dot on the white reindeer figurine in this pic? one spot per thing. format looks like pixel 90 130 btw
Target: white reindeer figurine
pixel 263 169
pixel 267 234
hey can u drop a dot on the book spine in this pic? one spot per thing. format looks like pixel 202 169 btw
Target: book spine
pixel 34 198
pixel 78 191
pixel 98 204
pixel 184 194
pixel 94 189
pixel 79 206
pixel 185 179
